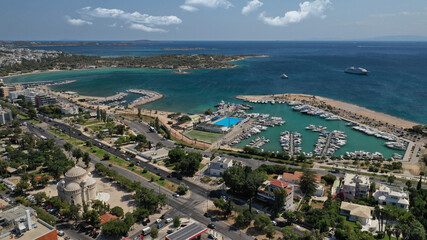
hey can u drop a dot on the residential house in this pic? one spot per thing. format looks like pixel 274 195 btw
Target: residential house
pixel 295 179
pixel 390 195
pixel 355 186
pixel 357 213
pixel 218 165
pixel 267 194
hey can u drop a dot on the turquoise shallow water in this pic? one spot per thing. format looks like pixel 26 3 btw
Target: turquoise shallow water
pixel 395 85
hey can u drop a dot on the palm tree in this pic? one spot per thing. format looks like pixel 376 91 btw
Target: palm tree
pixel 377 215
pixel 397 230
pixel 389 230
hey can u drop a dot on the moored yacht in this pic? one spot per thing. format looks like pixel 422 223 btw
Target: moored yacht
pixel 357 71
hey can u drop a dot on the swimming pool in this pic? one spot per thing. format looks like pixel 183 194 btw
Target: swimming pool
pixel 228 121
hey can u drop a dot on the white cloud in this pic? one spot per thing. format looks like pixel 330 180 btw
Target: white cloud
pixel 145 28
pixel 307 9
pixel 77 22
pixel 189 4
pixel 134 20
pixel 133 17
pixel 188 8
pixel 251 6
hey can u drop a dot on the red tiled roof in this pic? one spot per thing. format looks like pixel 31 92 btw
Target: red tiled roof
pixel 297 176
pixel 107 217
pixel 279 183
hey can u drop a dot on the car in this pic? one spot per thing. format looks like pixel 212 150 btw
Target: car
pixel 211 226
pixel 207 215
pixel 158 220
pixel 257 211
pixel 169 231
pixel 211 236
pixel 175 195
pixel 67 238
pixel 110 165
pixel 160 225
pixel 168 220
pixel 61 233
pixel 169 176
pixel 179 177
pixel 274 223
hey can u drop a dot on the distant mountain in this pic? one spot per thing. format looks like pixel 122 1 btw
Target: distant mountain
pixel 403 38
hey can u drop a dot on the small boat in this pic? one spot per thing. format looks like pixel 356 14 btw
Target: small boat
pixel 357 71
pixel 284 76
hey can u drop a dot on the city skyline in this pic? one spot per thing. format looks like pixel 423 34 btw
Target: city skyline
pixel 213 20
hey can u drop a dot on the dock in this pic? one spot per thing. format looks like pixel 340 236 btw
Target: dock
pixel 327 144
pixel 148 96
pixel 291 144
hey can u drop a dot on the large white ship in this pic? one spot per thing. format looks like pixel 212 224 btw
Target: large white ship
pixel 357 71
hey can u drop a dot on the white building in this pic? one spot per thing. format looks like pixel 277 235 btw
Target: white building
pixel 69 109
pixel 5 116
pixel 357 213
pixel 355 186
pixel 77 187
pixel 218 165
pixel 267 194
pixel 389 195
pixel 155 154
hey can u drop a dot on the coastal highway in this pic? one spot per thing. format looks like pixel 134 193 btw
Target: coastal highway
pixel 187 208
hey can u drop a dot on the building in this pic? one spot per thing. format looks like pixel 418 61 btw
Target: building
pixel 77 187
pixel 22 222
pixel 295 179
pixel 4 91
pixel 267 194
pixel 355 186
pixel 106 218
pixel 194 117
pixel 155 154
pixel 218 165
pixel 43 100
pixel 5 116
pixel 15 94
pixel 389 195
pixel 207 127
pixel 69 110
pixel 192 231
pixel 357 213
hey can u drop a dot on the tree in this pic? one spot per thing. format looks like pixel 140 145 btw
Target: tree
pixel 115 228
pixel 141 213
pixel 190 164
pixel 372 189
pixel 329 178
pixel 261 221
pixel 391 178
pixel 129 219
pixel 182 189
pixel 118 211
pixel 279 200
pixel 389 231
pixel 208 112
pixel 176 221
pixel 68 147
pixel 176 155
pixel 106 157
pixel 289 233
pixel 92 217
pixel 417 231
pixel 270 231
pixel 419 183
pixel 86 159
pixel 32 114
pixel 291 217
pixel 244 218
pixel 40 197
pixel 77 154
pixel 308 182
pixel 154 233
pixel 408 184
pixel 225 206
pixel 139 113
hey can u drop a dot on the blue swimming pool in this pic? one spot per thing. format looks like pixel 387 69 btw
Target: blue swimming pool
pixel 228 121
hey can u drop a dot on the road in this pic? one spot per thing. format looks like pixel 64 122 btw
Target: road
pixel 185 207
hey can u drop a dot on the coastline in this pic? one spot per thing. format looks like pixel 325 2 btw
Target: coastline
pixel 342 107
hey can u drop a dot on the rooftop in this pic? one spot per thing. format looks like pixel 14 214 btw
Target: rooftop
pixel 296 176
pixel 351 179
pixel 16 212
pixel 39 231
pixel 189 232
pixel 357 210
pixel 106 218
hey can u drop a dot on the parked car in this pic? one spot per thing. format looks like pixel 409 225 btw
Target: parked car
pixel 211 226
pixel 207 215
pixel 160 225
pixel 175 195
pixel 168 220
pixel 158 220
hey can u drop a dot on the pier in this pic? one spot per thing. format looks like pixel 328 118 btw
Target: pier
pixel 115 97
pixel 149 96
pixel 291 144
pixel 327 144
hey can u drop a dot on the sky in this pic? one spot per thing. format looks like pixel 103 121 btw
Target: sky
pixel 210 19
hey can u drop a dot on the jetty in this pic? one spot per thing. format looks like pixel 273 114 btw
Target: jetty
pixel 328 142
pixel 115 97
pixel 148 96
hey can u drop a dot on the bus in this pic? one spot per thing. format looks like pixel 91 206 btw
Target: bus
pixel 146 231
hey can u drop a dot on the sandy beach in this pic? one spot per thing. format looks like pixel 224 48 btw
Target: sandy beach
pixel 341 108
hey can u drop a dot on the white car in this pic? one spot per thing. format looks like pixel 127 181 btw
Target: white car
pixel 169 220
pixel 158 220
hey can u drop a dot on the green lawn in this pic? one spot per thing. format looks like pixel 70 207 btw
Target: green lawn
pixel 208 137
pixel 91 121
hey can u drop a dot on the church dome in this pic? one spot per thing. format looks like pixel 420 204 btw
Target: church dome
pixel 89 181
pixel 75 171
pixel 72 187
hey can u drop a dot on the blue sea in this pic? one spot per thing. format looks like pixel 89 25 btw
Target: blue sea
pixel 396 84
